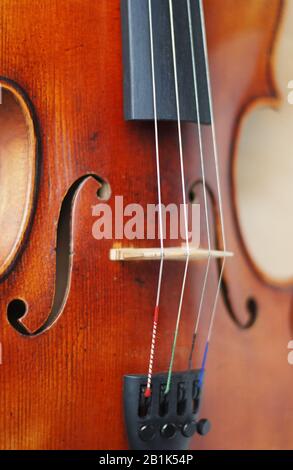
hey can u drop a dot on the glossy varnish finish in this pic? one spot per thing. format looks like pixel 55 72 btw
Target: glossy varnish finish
pixel 63 389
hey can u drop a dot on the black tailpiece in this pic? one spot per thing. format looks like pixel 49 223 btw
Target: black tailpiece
pixel 163 421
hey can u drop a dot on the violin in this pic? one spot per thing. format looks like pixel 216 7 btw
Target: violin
pixel 111 339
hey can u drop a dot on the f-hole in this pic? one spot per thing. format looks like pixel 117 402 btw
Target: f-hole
pixel 18 308
pixel 251 304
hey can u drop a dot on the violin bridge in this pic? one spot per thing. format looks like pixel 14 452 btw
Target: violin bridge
pixel 170 253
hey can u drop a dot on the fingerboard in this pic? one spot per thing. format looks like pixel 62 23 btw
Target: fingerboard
pixel 137 65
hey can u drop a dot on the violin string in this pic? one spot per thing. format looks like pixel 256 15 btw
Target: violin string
pixel 184 201
pixel 201 151
pixel 156 311
pixel 215 152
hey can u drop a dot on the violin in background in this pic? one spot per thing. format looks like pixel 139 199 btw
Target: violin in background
pixel 114 343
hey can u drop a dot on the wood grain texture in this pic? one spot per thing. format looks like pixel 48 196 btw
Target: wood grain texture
pixel 63 389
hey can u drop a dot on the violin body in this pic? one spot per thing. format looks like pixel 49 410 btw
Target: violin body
pixel 61 380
